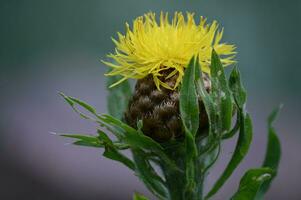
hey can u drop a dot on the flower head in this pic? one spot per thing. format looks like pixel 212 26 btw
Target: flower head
pixel 152 47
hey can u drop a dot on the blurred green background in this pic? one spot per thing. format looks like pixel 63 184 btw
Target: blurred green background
pixel 50 46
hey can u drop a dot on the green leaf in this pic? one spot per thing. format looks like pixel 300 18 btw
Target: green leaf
pixel 211 157
pixel 112 153
pixel 221 93
pixel 88 144
pixel 234 130
pixel 189 106
pixel 102 140
pixel 137 140
pixel 148 175
pixel 211 111
pixel 121 130
pixel 85 140
pixel 132 136
pixel 206 98
pixel 241 149
pixel 251 182
pixel 189 110
pixel 218 104
pixel 244 123
pixel 273 152
pixel 118 96
pixel 73 102
pixel 237 88
pixel 139 197
pixel 92 141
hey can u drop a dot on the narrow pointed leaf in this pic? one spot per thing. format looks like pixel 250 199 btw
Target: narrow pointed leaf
pixel 73 102
pixel 221 92
pixel 137 140
pixel 189 110
pixel 88 144
pixel 132 136
pixel 251 182
pixel 206 98
pixel 234 130
pixel 273 152
pixel 241 149
pixel 211 111
pixel 148 175
pixel 189 107
pixel 86 138
pixel 112 153
pixel 237 88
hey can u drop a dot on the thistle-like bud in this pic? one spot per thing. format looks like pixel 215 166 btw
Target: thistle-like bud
pixel 159 109
pixel 156 53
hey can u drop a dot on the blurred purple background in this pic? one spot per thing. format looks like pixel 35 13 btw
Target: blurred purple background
pixel 52 46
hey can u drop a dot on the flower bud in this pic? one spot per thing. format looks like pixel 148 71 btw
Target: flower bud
pixel 159 109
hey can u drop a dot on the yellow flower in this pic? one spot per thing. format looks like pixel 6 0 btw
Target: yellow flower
pixel 151 47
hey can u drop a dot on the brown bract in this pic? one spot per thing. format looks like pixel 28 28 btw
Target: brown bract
pixel 159 109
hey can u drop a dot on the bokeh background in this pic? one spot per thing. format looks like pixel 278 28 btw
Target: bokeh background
pixel 52 46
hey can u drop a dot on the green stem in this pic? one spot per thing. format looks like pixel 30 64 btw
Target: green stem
pixel 176 180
